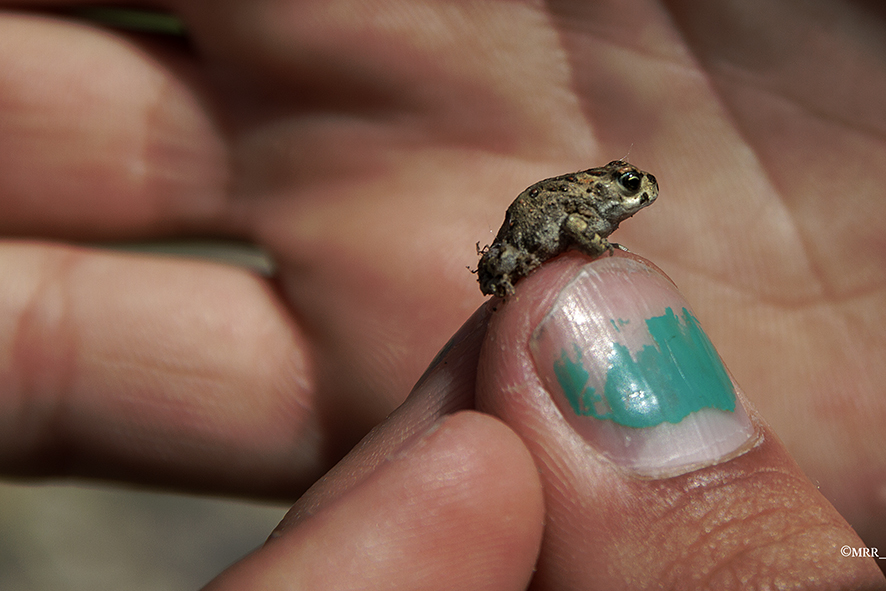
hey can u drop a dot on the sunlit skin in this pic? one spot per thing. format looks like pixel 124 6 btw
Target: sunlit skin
pixel 369 147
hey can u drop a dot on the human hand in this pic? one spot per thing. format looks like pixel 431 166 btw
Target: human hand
pixel 369 155
pixel 710 500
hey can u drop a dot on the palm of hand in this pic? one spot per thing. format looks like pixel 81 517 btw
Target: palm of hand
pixel 370 154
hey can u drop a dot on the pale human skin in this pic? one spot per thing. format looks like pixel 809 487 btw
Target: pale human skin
pixel 369 152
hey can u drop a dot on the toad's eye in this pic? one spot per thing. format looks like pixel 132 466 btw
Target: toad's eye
pixel 630 180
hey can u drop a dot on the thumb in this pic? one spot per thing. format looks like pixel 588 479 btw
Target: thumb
pixel 656 470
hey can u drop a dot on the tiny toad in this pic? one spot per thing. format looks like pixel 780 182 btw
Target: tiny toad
pixel 574 210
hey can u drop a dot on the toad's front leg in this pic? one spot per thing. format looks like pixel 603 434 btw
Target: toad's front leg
pixel 579 229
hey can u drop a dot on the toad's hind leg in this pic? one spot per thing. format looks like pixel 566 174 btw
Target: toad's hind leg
pixel 586 239
pixel 501 266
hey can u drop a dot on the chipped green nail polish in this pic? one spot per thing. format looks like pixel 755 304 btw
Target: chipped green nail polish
pixel 634 373
pixel 678 374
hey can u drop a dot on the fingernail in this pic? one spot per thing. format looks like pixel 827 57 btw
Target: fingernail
pixel 633 373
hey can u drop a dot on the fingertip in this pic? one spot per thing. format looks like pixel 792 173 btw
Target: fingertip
pixel 656 471
pixel 459 507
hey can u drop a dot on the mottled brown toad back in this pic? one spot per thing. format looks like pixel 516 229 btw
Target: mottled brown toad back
pixel 574 210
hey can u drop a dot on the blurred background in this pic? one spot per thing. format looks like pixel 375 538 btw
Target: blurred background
pixel 79 538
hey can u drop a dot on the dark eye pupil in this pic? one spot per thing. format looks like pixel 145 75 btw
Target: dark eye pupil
pixel 630 181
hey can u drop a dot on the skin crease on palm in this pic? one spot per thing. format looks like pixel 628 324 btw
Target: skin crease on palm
pixel 369 149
